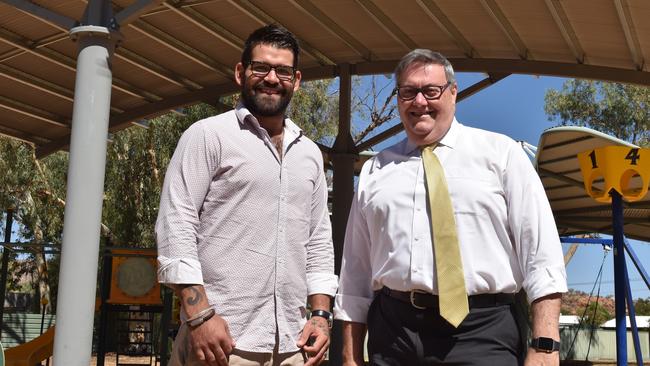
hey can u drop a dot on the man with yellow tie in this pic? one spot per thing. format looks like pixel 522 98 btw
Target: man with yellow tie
pixel 445 227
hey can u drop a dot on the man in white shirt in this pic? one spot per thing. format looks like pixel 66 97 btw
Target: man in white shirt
pixel 243 229
pixel 507 240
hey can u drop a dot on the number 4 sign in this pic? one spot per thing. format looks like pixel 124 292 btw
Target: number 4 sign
pixel 625 169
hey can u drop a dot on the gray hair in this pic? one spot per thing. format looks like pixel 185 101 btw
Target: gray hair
pixel 426 57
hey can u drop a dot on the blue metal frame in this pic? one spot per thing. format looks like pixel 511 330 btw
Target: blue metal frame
pixel 622 290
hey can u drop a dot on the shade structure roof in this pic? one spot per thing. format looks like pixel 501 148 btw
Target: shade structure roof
pixel 574 210
pixel 182 52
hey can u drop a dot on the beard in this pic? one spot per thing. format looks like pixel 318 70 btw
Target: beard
pixel 258 104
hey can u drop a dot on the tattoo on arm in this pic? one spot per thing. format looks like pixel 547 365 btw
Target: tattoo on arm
pixel 197 296
pixel 319 325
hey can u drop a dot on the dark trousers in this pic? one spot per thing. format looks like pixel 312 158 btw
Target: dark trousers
pixel 400 334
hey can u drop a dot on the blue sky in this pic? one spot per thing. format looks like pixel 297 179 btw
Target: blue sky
pixel 515 107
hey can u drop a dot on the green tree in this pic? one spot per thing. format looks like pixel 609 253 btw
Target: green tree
pixel 642 306
pixel 33 190
pixel 136 163
pixel 620 110
pixel 595 315
pixel 314 108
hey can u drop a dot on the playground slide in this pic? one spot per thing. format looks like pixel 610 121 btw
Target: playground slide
pixel 32 352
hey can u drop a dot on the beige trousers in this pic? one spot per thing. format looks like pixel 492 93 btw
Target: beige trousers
pixel 182 355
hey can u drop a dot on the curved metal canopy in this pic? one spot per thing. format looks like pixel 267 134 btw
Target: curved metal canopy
pixel 174 53
pixel 574 210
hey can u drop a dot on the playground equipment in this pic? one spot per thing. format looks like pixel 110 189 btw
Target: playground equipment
pixel 33 352
pixel 131 290
pixel 610 171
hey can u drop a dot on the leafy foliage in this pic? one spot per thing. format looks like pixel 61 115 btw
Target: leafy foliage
pixel 136 162
pixel 620 110
pixel 314 108
pixel 642 306
pixel 595 315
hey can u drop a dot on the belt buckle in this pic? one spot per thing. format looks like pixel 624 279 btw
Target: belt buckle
pixel 412 297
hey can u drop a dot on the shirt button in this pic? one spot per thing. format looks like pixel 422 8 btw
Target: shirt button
pixel 416 239
pixel 418 209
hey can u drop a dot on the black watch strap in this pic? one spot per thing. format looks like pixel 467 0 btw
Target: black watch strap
pixel 544 344
pixel 324 314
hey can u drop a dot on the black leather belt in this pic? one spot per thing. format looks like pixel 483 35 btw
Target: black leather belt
pixel 423 300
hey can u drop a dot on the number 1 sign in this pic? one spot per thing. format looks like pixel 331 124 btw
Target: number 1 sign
pixel 624 169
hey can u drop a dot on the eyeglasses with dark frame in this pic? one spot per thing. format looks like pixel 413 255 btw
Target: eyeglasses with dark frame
pixel 429 92
pixel 261 69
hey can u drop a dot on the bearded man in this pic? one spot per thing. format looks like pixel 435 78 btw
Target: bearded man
pixel 243 230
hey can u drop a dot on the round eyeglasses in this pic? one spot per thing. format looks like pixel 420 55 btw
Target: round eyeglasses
pixel 261 69
pixel 429 92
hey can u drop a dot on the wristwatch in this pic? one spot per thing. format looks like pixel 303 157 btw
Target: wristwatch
pixel 544 344
pixel 324 314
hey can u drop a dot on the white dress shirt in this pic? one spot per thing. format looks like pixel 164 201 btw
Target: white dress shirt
pixel 252 228
pixel 506 232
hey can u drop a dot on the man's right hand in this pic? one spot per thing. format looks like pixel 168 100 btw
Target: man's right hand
pixel 211 342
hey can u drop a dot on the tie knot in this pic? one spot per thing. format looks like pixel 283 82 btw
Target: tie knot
pixel 429 147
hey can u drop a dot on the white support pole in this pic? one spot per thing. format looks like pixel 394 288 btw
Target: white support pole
pixel 81 230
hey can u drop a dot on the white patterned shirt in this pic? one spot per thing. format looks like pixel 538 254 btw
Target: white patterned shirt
pixel 506 232
pixel 252 228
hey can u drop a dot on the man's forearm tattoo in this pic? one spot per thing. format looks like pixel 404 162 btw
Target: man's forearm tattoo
pixel 324 328
pixel 197 296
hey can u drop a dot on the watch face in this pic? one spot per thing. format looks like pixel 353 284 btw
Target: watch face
pixel 545 343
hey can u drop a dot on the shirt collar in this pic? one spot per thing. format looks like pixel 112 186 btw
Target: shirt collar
pixel 245 116
pixel 450 139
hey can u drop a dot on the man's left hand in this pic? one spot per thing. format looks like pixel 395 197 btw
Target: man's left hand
pixel 538 358
pixel 314 340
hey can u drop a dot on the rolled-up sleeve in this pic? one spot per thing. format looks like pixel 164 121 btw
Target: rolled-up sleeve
pixel 320 251
pixel 186 184
pixel 355 290
pixel 533 228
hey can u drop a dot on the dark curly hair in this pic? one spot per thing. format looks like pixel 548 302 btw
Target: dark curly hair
pixel 275 36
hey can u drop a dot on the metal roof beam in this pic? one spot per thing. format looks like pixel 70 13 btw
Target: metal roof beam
pixel 66 62
pixel 628 220
pixel 206 24
pixel 387 24
pixel 22 136
pixel 47 15
pixel 121 121
pixel 41 84
pixel 34 112
pixel 36 82
pixel 257 14
pixel 316 14
pixel 133 11
pixel 151 67
pixel 623 11
pixel 492 78
pixel 37 44
pixel 180 47
pixel 563 23
pixel 496 13
pixel 438 16
pixel 560 177
pixel 606 208
pixel 552 69
pixel 135 59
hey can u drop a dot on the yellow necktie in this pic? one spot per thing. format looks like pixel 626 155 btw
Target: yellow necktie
pixel 449 267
